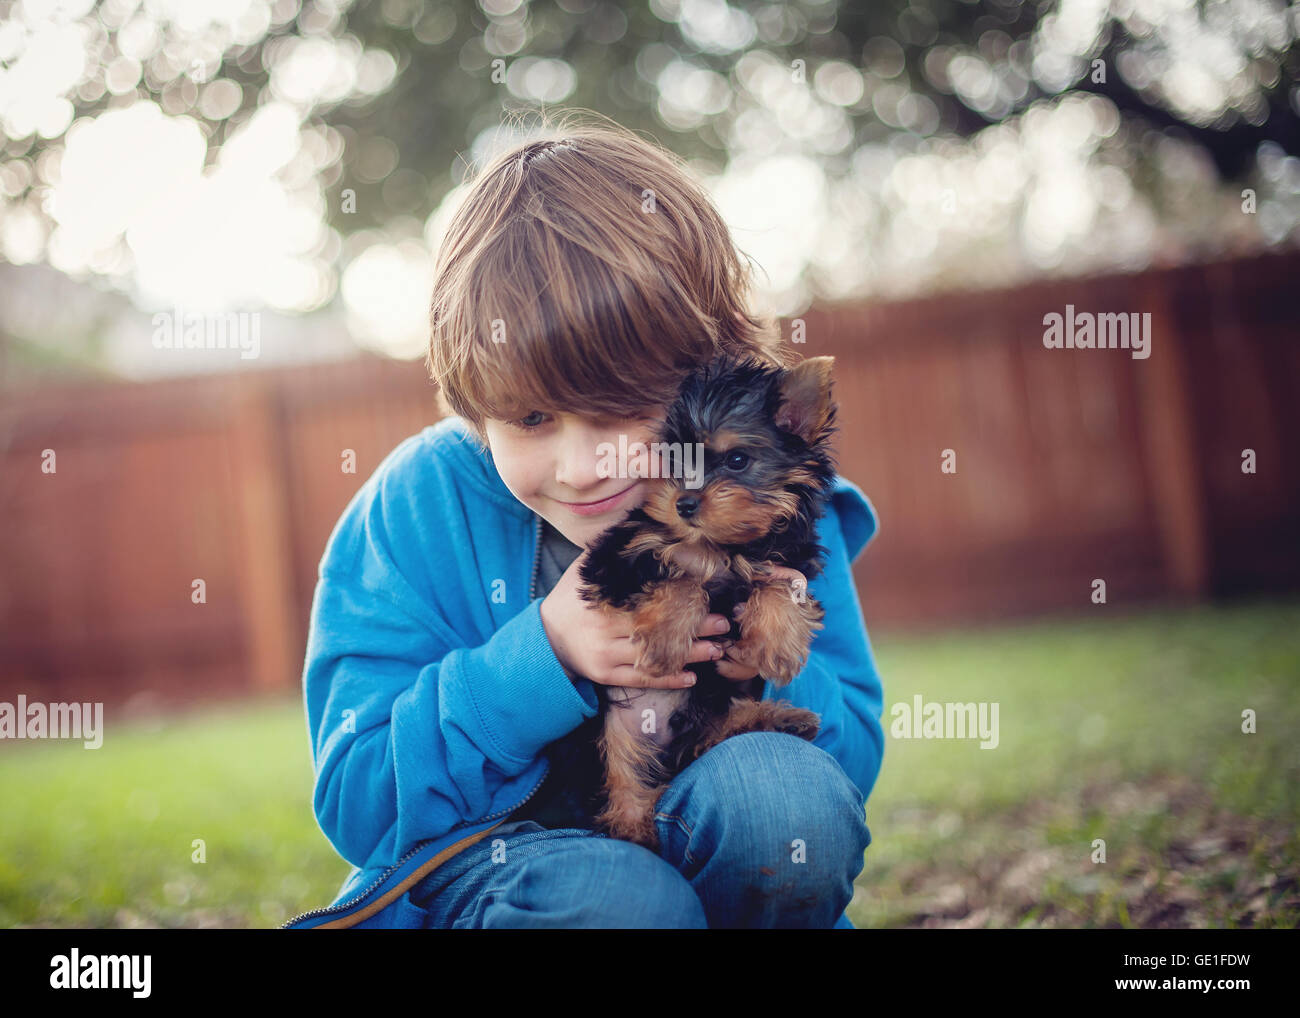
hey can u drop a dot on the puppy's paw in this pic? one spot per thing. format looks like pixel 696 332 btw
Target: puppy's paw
pixel 777 632
pixel 796 721
pixel 665 624
pixel 661 652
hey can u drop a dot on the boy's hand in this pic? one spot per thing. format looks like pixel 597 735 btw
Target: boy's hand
pixel 597 644
pixel 734 665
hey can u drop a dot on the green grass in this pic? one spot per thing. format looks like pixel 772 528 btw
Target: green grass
pixel 105 837
pixel 1124 729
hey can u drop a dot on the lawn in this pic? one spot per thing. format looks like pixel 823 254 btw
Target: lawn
pixel 1127 730
pixel 1123 729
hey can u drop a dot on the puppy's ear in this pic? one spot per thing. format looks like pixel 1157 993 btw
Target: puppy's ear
pixel 806 398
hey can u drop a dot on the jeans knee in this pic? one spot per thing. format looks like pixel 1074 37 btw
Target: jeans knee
pixel 602 884
pixel 791 798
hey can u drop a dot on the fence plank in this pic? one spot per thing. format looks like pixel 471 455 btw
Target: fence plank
pixel 265 545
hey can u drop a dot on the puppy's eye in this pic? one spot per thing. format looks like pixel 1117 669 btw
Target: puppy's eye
pixel 735 461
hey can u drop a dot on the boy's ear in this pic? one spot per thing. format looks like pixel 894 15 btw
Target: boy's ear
pixel 806 398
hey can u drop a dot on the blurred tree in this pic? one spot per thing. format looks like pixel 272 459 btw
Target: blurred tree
pixel 412 87
pixel 973 64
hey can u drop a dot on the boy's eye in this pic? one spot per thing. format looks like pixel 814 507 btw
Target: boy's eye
pixel 528 423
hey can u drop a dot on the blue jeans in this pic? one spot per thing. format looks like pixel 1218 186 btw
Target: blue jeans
pixel 765 830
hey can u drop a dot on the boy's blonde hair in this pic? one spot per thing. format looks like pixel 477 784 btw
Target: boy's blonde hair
pixel 585 273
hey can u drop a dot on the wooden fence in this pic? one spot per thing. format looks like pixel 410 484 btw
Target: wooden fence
pixel 1074 465
pixel 1070 466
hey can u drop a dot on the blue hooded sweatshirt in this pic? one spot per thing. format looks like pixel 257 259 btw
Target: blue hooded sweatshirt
pixel 431 688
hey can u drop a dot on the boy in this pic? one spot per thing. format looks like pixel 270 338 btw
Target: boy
pixel 450 669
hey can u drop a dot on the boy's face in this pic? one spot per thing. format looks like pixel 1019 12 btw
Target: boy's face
pixel 550 462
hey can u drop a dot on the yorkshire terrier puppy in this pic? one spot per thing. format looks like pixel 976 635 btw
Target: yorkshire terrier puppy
pixel 744 473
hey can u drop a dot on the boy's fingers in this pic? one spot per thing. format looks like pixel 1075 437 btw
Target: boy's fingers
pixel 714 625
pixel 704 650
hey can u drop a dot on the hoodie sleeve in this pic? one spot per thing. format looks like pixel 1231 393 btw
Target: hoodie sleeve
pixel 839 680
pixel 414 731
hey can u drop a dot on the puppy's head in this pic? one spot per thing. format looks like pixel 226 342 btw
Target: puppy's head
pixel 745 450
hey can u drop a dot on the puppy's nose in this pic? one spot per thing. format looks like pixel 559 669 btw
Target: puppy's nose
pixel 687 506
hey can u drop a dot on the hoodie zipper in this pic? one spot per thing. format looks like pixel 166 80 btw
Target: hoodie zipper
pixel 379 880
pixel 537 561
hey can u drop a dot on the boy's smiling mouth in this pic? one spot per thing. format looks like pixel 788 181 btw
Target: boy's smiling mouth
pixel 602 506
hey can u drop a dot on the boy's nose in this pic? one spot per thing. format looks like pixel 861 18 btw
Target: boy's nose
pixel 578 467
